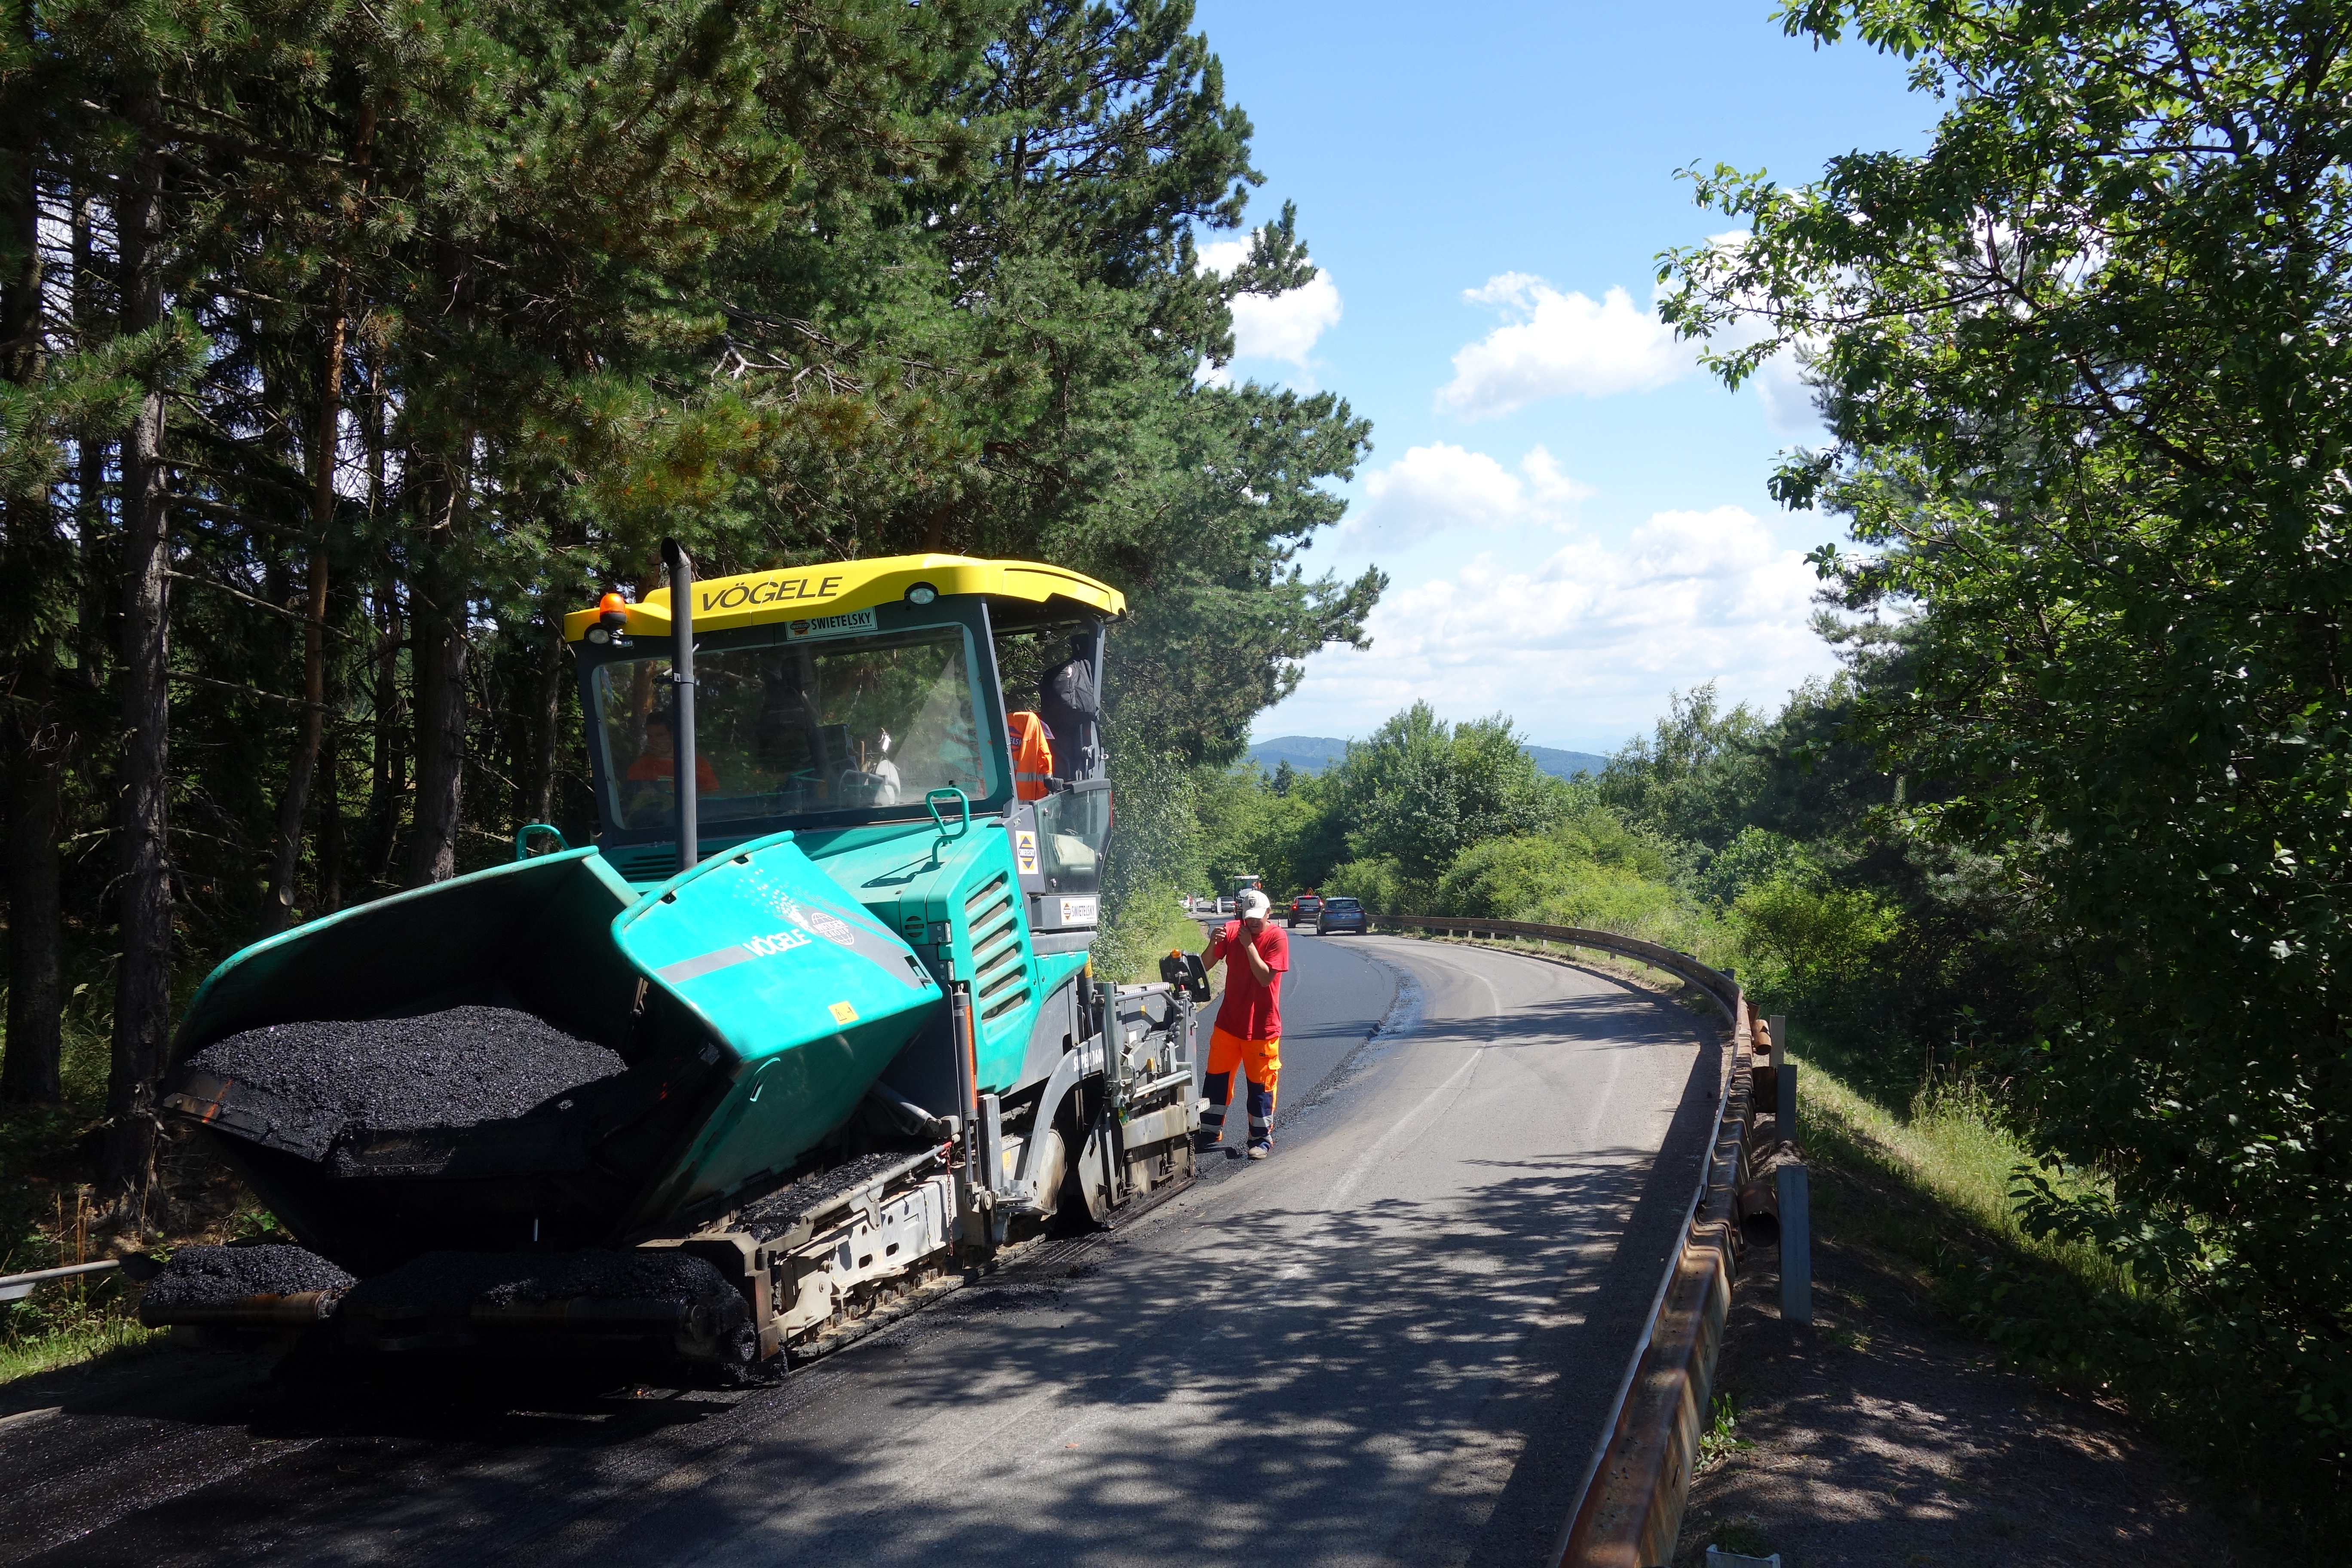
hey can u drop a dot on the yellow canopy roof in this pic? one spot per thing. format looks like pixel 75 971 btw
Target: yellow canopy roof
pixel 840 587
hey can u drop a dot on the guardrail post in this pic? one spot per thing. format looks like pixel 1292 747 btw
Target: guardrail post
pixel 1784 1075
pixel 1793 1189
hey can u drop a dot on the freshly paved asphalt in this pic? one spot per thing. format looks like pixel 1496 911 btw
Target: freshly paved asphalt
pixel 1395 1342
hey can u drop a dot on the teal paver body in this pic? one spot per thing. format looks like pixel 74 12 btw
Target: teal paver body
pixel 810 992
pixel 791 971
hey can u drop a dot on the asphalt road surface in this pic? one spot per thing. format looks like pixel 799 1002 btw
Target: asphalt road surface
pixel 1395 1342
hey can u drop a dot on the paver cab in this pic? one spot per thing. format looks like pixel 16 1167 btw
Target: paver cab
pixel 808 1032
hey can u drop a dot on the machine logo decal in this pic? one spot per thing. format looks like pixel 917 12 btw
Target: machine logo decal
pixel 773 591
pixel 727 957
pixel 832 625
pixel 876 945
pixel 1024 849
pixel 782 942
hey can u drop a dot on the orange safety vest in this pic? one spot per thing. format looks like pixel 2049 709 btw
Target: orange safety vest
pixel 1032 755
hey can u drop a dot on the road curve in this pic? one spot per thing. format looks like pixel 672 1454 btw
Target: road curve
pixel 1394 1342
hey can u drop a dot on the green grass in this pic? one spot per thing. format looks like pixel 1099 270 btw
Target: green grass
pixel 1132 956
pixel 71 1346
pixel 1927 1188
pixel 1950 1150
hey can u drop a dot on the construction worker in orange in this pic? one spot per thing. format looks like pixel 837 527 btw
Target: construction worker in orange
pixel 652 777
pixel 1247 1035
pixel 1032 755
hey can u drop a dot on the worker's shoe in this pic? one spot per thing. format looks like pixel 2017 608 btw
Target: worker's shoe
pixel 1260 1150
pixel 1205 1139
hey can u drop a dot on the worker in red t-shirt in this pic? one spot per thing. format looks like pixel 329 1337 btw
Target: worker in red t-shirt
pixel 1247 1035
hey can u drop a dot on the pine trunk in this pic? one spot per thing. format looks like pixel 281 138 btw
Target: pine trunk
pixel 439 661
pixel 29 1069
pixel 332 846
pixel 389 772
pixel 324 443
pixel 295 803
pixel 539 800
pixel 142 994
pixel 29 1072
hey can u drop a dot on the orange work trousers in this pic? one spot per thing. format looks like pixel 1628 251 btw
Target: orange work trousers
pixel 1260 1065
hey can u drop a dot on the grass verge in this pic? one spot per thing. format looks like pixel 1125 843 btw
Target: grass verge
pixel 1951 1151
pixel 1927 1187
pixel 49 1216
pixel 1146 933
pixel 49 1350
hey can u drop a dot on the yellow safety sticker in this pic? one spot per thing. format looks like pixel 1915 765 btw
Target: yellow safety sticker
pixel 843 1013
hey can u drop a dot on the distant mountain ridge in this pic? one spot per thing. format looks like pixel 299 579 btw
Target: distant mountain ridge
pixel 1313 753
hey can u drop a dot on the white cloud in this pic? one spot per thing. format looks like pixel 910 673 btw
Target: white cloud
pixel 1789 404
pixel 1439 487
pixel 1582 646
pixel 1283 327
pixel 1557 345
pixel 1553 345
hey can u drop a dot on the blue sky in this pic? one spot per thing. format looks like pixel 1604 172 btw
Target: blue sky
pixel 1574 518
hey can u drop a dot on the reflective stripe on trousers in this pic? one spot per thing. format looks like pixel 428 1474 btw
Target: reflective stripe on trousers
pixel 1219 1088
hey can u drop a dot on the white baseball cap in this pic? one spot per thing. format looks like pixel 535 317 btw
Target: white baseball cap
pixel 1252 902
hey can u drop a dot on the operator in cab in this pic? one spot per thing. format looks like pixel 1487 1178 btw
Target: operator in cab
pixel 650 776
pixel 1247 1035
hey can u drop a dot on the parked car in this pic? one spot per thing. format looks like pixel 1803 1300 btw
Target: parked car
pixel 1305 907
pixel 1342 914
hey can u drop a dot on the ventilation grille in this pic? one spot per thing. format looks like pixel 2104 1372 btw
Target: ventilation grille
pixel 652 864
pixel 999 977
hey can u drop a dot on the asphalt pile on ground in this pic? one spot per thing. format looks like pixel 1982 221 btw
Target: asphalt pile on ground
pixel 773 1216
pixel 319 1081
pixel 216 1276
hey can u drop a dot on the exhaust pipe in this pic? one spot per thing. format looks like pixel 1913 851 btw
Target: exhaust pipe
pixel 681 676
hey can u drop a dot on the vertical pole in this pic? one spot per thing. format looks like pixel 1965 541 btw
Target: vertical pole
pixel 1796 1241
pixel 1784 1073
pixel 681 676
pixel 967 1070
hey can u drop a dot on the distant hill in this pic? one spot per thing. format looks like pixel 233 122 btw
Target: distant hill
pixel 1565 765
pixel 1313 753
pixel 1305 753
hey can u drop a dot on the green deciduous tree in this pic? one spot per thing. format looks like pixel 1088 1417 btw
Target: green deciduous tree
pixel 1422 790
pixel 2085 365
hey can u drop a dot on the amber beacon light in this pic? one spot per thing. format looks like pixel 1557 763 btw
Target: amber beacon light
pixel 611 619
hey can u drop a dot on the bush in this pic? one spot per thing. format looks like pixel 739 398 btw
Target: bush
pixel 1808 949
pixel 1381 885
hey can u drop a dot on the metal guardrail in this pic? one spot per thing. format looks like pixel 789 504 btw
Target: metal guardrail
pixel 1629 1510
pixel 17 1287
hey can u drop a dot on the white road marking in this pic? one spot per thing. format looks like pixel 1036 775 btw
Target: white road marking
pixel 1362 1166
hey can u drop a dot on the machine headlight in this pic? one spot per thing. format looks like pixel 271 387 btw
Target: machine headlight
pixel 921 594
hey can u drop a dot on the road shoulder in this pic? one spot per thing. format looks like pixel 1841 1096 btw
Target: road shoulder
pixel 1877 1435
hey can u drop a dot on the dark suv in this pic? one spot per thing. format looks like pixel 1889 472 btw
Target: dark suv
pixel 1342 914
pixel 1305 907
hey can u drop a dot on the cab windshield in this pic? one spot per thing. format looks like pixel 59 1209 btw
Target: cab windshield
pixel 792 725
